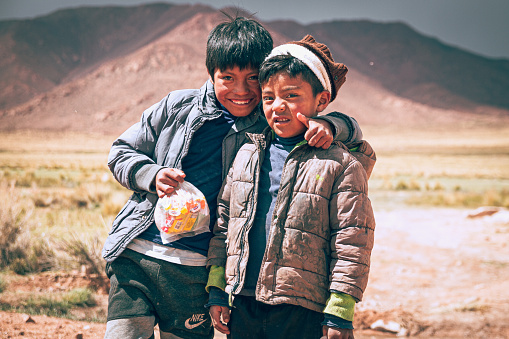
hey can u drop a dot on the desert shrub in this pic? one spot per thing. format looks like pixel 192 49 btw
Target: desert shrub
pixel 15 238
pixel 81 297
pixel 3 284
pixel 17 250
pixel 38 305
pixel 55 305
pixel 11 226
pixel 30 179
pixel 84 251
pixel 438 187
pixel 407 186
pixel 37 257
pixel 463 199
pixel 87 195
pixel 497 198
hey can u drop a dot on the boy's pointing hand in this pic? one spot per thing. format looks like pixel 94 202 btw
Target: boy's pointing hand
pixel 167 179
pixel 319 133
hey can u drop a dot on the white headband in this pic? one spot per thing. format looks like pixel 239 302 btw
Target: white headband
pixel 309 58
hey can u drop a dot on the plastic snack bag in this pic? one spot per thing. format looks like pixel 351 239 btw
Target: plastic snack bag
pixel 185 213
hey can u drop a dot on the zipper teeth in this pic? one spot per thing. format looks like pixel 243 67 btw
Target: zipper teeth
pixel 244 229
pixel 278 202
pixel 283 172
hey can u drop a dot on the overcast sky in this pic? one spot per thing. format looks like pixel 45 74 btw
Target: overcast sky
pixel 479 26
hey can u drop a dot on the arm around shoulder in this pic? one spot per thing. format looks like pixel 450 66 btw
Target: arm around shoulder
pixel 346 128
pixel 365 154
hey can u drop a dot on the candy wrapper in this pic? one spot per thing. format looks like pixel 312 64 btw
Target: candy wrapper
pixel 185 213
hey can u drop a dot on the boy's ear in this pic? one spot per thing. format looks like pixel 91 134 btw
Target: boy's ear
pixel 323 100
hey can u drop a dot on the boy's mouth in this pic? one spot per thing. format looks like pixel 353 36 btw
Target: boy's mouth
pixel 281 120
pixel 240 102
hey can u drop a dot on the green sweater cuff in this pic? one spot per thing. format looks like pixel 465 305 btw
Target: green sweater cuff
pixel 216 278
pixel 341 305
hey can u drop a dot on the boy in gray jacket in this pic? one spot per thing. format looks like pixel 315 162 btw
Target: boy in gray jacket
pixel 295 225
pixel 193 135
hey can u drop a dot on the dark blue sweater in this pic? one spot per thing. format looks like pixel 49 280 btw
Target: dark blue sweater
pixel 203 167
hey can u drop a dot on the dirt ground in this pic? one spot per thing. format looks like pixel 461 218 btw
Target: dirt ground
pixel 436 273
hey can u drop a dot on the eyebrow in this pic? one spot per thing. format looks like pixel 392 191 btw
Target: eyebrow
pixel 291 88
pixel 232 72
pixel 285 89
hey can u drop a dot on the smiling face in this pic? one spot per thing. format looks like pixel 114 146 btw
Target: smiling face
pixel 237 89
pixel 284 96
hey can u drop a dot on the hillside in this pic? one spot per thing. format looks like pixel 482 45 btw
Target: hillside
pixel 40 53
pixel 411 65
pixel 97 69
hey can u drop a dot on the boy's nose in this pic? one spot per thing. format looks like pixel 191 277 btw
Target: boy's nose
pixel 241 87
pixel 278 105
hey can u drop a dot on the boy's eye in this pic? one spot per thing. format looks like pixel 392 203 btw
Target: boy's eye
pixel 254 77
pixel 292 95
pixel 226 77
pixel 267 98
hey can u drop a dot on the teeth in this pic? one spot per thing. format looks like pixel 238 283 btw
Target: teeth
pixel 241 102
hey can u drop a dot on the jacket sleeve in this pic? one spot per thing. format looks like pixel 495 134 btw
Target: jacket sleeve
pixel 364 153
pixel 346 128
pixel 217 246
pixel 352 231
pixel 134 150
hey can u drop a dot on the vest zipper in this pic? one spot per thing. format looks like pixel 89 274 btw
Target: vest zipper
pixel 248 221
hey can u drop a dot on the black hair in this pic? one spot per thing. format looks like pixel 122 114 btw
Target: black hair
pixel 293 67
pixel 239 42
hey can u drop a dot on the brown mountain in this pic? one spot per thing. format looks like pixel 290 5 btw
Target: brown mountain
pixel 40 53
pixel 411 65
pixel 97 69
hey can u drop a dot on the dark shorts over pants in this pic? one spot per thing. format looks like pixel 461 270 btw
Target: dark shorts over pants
pixel 175 294
pixel 251 319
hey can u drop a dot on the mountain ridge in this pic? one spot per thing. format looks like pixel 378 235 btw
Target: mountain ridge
pixel 118 74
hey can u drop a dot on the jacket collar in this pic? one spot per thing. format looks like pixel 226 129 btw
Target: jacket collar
pixel 262 140
pixel 208 103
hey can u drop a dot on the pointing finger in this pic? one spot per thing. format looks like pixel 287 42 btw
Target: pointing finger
pixel 304 119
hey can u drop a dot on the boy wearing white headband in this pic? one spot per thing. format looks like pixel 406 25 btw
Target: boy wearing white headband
pixel 295 225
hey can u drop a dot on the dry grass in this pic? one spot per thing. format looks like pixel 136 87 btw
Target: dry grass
pixel 58 191
pixel 447 168
pixel 60 199
pixel 65 178
pixel 56 304
pixel 472 154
